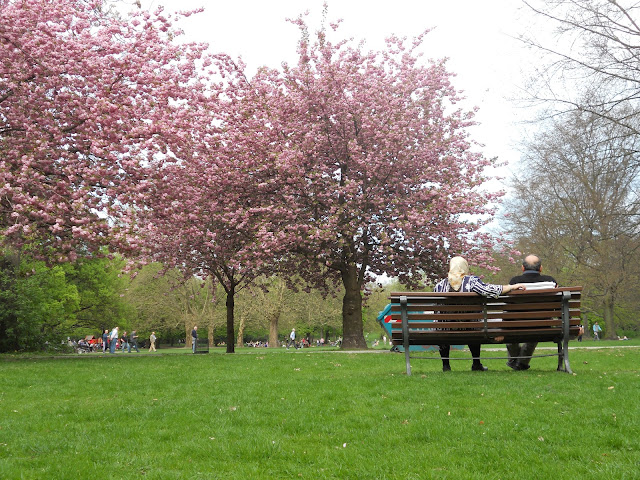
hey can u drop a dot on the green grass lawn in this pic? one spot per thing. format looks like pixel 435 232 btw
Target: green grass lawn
pixel 318 414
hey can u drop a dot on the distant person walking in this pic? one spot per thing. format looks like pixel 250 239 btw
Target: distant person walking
pixel 292 338
pixel 124 342
pixel 580 332
pixel 134 341
pixel 596 331
pixel 105 340
pixel 152 340
pixel 113 340
pixel 194 338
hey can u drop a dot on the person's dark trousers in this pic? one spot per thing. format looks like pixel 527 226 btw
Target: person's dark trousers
pixel 134 344
pixel 474 348
pixel 475 354
pixel 526 350
pixel 444 355
pixel 520 350
pixel 514 352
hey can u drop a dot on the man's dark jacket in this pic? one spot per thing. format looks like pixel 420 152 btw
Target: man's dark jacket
pixel 531 276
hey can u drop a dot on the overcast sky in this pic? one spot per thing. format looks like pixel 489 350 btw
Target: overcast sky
pixel 476 36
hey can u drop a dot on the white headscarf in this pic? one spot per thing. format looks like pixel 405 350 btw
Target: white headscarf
pixel 458 268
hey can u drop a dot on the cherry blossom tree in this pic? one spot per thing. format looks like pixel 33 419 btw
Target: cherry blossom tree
pixel 89 103
pixel 376 171
pixel 206 213
pixel 341 168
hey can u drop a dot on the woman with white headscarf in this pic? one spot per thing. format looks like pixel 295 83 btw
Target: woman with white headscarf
pixel 459 280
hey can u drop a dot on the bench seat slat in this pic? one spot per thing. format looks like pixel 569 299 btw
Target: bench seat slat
pixel 509 324
pixel 438 316
pixel 423 332
pixel 480 332
pixel 463 337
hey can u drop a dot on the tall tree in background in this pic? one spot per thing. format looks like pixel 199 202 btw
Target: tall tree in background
pixel 164 302
pixel 41 303
pixel 590 67
pixel 576 201
pixel 376 172
pixel 88 103
pixel 274 299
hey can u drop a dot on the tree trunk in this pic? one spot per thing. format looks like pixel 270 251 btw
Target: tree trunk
pixel 240 341
pixel 210 336
pixel 187 332
pixel 274 314
pixel 609 318
pixel 352 327
pixel 212 318
pixel 273 331
pixel 230 327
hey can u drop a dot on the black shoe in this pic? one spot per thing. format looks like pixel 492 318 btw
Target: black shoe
pixel 520 366
pixel 479 368
pixel 513 364
pixel 446 368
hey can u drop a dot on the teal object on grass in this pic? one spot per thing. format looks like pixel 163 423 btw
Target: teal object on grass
pixel 384 318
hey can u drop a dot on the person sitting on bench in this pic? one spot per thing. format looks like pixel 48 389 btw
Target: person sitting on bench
pixel 520 355
pixel 459 280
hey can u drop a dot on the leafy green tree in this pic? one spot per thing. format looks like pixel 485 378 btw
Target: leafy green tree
pixel 38 304
pixel 165 302
pixel 317 313
pixel 101 287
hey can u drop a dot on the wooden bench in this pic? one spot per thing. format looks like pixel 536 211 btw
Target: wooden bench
pixel 454 318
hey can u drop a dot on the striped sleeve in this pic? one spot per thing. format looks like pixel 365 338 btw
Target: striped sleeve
pixel 441 286
pixel 485 289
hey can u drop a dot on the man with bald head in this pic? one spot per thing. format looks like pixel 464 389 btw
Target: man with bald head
pixel 531 273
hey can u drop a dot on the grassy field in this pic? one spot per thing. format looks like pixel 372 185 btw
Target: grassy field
pixel 318 414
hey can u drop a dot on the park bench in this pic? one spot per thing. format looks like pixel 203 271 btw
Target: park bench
pixel 455 318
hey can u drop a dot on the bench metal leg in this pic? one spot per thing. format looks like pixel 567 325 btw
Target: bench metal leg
pixel 406 358
pixel 565 355
pixel 560 357
pixel 563 348
pixel 405 331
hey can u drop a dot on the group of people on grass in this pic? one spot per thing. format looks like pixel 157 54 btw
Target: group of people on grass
pixel 111 340
pixel 306 341
pixel 460 280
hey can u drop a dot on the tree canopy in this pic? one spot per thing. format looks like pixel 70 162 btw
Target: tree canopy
pixel 375 171
pixel 88 102
pixel 342 167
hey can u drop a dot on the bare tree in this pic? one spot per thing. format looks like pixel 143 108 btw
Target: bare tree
pixel 577 202
pixel 594 48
